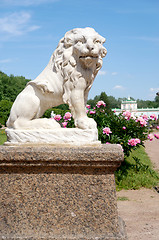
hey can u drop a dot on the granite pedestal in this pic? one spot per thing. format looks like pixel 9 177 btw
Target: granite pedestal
pixel 59 192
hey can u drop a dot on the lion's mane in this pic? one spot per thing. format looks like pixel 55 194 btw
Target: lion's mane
pixel 64 61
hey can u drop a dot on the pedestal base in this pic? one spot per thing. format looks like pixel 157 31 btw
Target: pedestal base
pixel 74 136
pixel 59 193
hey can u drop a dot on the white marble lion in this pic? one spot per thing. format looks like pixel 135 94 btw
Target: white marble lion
pixel 67 78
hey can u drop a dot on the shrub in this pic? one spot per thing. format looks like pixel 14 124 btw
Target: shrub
pixel 123 129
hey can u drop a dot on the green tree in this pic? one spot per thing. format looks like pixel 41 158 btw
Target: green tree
pixel 157 101
pixel 103 96
pixel 5 107
pixel 114 103
pixel 11 86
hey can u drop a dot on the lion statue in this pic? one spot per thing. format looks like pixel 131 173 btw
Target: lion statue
pixel 67 78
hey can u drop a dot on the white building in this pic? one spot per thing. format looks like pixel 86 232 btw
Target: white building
pixel 131 106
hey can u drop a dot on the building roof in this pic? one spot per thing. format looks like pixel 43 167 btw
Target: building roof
pixel 128 100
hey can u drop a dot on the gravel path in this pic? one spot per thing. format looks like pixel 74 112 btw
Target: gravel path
pixel 141 211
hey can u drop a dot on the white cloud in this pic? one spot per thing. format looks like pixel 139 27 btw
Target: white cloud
pixel 154 89
pixel 119 87
pixel 26 2
pixel 17 24
pixel 5 60
pixel 114 73
pixel 102 73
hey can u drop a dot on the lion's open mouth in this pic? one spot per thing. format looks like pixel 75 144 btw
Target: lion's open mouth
pixel 87 57
pixel 88 60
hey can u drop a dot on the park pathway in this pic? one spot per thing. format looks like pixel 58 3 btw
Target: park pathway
pixel 141 211
pixel 152 149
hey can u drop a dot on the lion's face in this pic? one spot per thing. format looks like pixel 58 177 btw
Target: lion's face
pixel 87 45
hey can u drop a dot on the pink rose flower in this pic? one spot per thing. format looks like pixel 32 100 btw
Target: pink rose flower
pixel 142 121
pixel 157 127
pixel 64 124
pixel 137 140
pixel 145 117
pixel 67 116
pixel 57 117
pixel 124 127
pixel 150 136
pixel 156 135
pixel 106 131
pixel 153 117
pixel 86 110
pixel 134 141
pixel 127 115
pixel 107 143
pixel 92 112
pixel 100 103
pixel 88 106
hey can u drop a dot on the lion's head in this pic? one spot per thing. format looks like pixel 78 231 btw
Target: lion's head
pixel 82 46
pixel 79 53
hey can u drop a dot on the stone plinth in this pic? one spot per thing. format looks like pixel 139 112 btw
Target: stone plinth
pixel 51 192
pixel 73 136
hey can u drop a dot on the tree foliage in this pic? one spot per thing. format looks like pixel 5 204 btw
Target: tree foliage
pixel 5 106
pixel 112 102
pixel 11 86
pixel 148 103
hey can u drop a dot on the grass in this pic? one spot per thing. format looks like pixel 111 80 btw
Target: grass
pixel 3 137
pixel 136 172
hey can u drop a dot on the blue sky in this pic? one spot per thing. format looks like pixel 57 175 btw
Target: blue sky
pixel 31 29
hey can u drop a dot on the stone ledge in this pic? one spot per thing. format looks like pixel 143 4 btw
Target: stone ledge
pixel 108 156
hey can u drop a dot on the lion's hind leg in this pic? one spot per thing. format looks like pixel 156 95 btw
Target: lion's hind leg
pixel 27 110
pixel 41 123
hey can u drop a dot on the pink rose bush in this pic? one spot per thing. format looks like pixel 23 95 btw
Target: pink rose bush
pixel 124 129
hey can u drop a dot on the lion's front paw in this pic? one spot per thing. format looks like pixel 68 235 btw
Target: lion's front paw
pixel 85 123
